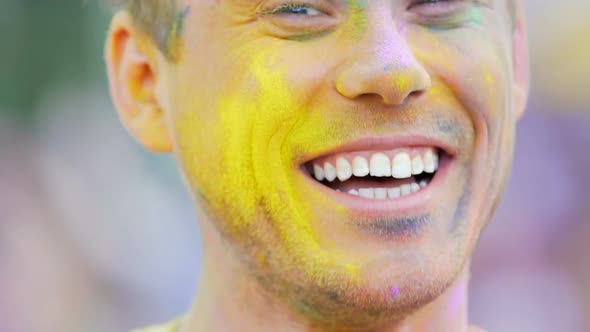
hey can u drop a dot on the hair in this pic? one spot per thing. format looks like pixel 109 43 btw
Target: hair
pixel 158 18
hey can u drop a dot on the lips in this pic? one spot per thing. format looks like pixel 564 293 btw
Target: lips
pixel 377 174
pixel 386 170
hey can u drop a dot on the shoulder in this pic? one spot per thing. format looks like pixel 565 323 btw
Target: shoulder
pixel 476 329
pixel 173 326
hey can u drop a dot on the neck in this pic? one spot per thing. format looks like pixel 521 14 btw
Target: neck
pixel 229 300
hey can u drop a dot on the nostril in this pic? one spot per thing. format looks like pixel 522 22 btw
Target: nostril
pixel 399 100
pixel 413 96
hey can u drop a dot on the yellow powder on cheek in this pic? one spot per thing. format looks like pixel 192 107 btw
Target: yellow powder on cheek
pixel 279 111
pixel 252 169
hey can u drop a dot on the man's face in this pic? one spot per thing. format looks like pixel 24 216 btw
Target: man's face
pixel 267 96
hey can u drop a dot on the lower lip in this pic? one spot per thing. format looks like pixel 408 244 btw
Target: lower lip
pixel 409 205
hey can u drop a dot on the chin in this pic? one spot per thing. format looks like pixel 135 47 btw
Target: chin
pixel 384 289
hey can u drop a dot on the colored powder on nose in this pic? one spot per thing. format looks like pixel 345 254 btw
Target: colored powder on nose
pixel 394 292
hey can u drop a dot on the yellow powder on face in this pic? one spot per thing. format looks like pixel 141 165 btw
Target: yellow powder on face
pixel 292 217
pixel 402 82
pixel 253 186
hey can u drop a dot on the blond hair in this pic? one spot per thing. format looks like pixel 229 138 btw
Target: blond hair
pixel 158 18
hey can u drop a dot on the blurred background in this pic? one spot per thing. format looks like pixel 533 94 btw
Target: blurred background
pixel 98 235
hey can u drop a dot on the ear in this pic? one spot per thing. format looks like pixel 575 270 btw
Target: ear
pixel 131 60
pixel 520 61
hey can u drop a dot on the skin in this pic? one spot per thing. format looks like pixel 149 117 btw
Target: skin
pixel 251 94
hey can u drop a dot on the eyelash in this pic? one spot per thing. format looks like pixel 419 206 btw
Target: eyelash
pixel 294 8
pixel 427 2
pixel 437 10
pixel 435 4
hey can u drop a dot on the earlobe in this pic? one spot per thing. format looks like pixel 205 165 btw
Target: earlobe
pixel 520 63
pixel 133 83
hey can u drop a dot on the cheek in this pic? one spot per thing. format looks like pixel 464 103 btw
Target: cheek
pixel 464 56
pixel 246 146
pixel 475 67
pixel 233 149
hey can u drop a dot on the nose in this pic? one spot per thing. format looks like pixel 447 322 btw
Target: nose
pixel 384 66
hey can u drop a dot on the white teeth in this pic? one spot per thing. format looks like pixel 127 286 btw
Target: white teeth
pixel 318 172
pixel 381 193
pixel 367 192
pixel 430 164
pixel 402 166
pixel 391 193
pixel 380 165
pixel 329 172
pixel 394 192
pixel 406 189
pixel 417 165
pixel 435 159
pixel 360 166
pixel 343 169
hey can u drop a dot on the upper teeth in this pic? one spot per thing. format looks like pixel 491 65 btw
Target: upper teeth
pixel 329 172
pixel 400 165
pixel 430 162
pixel 343 169
pixel 360 166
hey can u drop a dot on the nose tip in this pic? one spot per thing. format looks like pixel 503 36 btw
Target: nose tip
pixel 395 84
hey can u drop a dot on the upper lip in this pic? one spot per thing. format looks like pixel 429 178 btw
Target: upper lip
pixel 377 143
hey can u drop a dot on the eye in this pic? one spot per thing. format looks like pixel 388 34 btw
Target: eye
pixel 299 19
pixel 296 9
pixel 427 2
pixel 437 9
pixel 434 5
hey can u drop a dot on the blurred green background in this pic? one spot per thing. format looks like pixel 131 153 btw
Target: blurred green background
pixel 46 43
pixel 98 235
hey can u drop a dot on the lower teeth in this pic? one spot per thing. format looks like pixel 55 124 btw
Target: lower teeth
pixel 388 193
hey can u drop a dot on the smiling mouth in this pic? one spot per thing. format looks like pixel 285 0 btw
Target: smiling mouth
pixel 378 175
